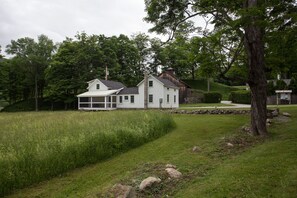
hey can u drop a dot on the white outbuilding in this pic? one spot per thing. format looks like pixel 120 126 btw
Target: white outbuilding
pixel 151 92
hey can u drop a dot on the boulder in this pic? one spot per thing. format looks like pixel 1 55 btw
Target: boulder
pixel 170 166
pixel 286 114
pixel 123 191
pixel 173 173
pixel 148 182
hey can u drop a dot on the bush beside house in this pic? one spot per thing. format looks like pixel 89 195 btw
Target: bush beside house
pixel 212 97
pixel 241 96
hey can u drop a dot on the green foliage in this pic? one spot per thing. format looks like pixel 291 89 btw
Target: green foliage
pixel 280 85
pixel 270 88
pixel 240 96
pixel 293 85
pixel 201 84
pixel 212 97
pixel 37 146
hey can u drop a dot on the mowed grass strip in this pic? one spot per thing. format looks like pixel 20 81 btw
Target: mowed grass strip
pixel 37 146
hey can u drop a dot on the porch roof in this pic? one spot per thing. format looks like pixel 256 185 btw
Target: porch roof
pixel 97 93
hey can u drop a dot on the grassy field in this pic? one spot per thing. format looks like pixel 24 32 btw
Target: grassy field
pixel 218 87
pixel 252 168
pixel 37 146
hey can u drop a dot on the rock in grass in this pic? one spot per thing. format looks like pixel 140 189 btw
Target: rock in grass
pixel 123 191
pixel 230 144
pixel 286 114
pixel 173 173
pixel 195 149
pixel 170 166
pixel 148 182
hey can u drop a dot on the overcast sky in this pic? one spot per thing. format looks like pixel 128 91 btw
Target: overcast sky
pixel 60 18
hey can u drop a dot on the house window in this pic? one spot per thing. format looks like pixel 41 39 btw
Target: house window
pixel 98 86
pixel 150 98
pixel 151 83
pixel 132 99
pixel 126 98
pixel 174 89
pixel 174 98
pixel 121 99
pixel 167 98
pixel 167 89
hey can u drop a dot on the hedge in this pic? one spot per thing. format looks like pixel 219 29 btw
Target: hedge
pixel 212 97
pixel 240 96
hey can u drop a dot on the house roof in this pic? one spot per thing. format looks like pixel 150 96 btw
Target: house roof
pixel 97 93
pixel 112 84
pixel 129 90
pixel 167 83
pixel 172 75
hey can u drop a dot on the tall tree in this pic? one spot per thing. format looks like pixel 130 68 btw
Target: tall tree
pixel 35 58
pixel 249 18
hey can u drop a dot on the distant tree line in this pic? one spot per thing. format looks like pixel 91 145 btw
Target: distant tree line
pixel 43 70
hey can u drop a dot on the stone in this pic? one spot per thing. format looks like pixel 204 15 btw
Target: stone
pixel 123 191
pixel 195 149
pixel 268 121
pixel 286 114
pixel 173 173
pixel 148 182
pixel 170 166
pixel 275 113
pixel 230 144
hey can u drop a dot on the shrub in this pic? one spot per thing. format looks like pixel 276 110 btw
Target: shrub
pixel 270 88
pixel 241 96
pixel 293 86
pixel 280 85
pixel 212 97
pixel 37 146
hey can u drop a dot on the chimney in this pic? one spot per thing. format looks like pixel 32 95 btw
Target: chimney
pixel 146 74
pixel 106 73
pixel 170 71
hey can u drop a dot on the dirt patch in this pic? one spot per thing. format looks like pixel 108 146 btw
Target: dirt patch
pixel 236 144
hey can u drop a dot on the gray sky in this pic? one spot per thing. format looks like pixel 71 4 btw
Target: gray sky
pixel 60 18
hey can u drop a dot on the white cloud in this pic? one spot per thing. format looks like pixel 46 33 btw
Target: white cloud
pixel 60 18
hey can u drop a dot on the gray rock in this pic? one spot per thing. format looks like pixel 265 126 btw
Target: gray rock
pixel 123 191
pixel 286 114
pixel 195 149
pixel 268 121
pixel 170 166
pixel 148 182
pixel 230 144
pixel 173 173
pixel 275 113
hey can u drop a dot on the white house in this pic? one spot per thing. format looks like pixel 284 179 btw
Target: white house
pixel 108 95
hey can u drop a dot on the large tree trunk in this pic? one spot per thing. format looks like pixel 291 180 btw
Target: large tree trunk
pixel 257 80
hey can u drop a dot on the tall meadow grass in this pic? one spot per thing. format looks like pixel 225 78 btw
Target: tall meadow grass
pixel 37 146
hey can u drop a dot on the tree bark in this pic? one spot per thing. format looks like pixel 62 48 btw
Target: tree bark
pixel 257 79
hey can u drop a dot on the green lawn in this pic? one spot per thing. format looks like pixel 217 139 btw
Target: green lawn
pixel 267 169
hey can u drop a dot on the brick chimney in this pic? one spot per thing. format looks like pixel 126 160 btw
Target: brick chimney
pixel 170 71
